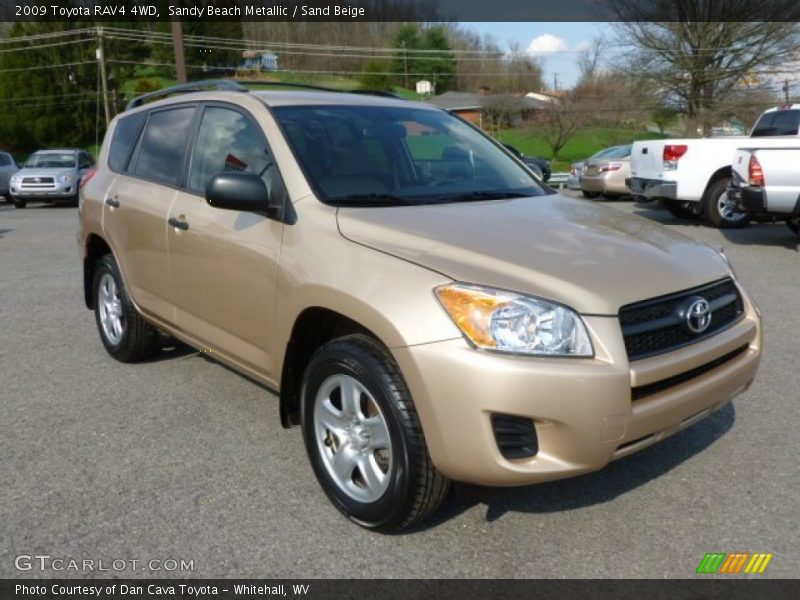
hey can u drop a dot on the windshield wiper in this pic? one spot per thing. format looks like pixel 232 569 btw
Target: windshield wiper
pixel 368 200
pixel 478 196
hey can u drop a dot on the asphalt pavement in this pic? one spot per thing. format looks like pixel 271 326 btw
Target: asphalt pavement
pixel 183 459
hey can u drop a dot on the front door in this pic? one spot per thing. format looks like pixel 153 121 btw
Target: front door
pixel 224 263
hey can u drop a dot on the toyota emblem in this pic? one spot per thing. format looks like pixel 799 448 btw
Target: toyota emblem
pixel 697 314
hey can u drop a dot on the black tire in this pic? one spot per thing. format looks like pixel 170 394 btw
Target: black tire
pixel 679 210
pixel 794 226
pixel 19 203
pixel 590 194
pixel 138 340
pixel 73 201
pixel 734 219
pixel 415 488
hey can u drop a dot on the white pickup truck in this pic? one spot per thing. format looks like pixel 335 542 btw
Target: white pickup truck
pixel 766 181
pixel 691 176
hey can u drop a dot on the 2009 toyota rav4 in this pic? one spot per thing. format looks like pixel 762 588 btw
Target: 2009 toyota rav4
pixel 426 310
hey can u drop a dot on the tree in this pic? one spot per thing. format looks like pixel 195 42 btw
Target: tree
pixel 376 77
pixel 697 51
pixel 423 53
pixel 663 117
pixel 560 121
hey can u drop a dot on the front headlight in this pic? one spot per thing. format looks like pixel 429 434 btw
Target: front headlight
pixel 15 179
pixel 66 178
pixel 508 322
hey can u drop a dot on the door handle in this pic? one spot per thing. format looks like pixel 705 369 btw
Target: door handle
pixel 112 203
pixel 183 225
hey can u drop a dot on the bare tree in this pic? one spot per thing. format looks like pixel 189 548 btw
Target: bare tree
pixel 560 121
pixel 699 50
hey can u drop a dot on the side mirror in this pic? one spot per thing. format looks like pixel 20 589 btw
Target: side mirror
pixel 247 192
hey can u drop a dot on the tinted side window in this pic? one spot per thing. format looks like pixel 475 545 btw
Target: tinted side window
pixel 125 135
pixel 780 122
pixel 163 145
pixel 4 160
pixel 787 122
pixel 228 141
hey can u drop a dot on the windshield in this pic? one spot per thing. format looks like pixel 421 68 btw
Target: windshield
pixel 50 160
pixel 377 155
pixel 617 152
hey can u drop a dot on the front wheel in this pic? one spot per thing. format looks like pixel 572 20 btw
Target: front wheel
pixel 590 194
pixel 125 334
pixel 794 225
pixel 364 439
pixel 19 202
pixel 721 211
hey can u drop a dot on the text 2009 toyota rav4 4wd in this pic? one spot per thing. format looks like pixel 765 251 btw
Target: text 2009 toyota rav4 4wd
pixel 425 308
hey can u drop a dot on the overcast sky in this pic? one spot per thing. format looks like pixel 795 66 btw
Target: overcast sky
pixel 556 45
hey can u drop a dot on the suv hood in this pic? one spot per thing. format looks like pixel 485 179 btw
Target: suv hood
pixel 36 172
pixel 587 256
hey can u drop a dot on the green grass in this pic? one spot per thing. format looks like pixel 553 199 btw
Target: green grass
pixel 584 144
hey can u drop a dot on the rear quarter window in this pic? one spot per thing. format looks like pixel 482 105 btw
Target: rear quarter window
pixel 163 145
pixel 126 133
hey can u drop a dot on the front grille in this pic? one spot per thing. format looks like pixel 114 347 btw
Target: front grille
pixel 516 436
pixel 38 180
pixel 656 326
pixel 643 391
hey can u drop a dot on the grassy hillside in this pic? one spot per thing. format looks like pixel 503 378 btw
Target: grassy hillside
pixel 588 141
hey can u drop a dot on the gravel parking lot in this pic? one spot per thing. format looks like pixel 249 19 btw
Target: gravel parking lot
pixel 181 458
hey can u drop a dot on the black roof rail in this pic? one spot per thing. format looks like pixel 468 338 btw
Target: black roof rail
pixel 194 86
pixel 287 84
pixel 381 93
pixel 308 86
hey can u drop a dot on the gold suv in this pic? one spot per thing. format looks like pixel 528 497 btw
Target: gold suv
pixel 425 309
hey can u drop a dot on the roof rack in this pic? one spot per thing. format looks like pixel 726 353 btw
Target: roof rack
pixel 183 88
pixel 238 85
pixel 381 93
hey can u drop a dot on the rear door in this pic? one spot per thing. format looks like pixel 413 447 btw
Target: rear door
pixel 137 203
pixel 224 263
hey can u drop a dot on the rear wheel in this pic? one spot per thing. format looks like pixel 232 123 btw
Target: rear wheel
pixel 364 439
pixel 720 211
pixel 125 334
pixel 794 225
pixel 589 194
pixel 679 210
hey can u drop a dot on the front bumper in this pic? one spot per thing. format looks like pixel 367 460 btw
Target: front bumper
pixel 653 188
pixel 582 408
pixel 57 192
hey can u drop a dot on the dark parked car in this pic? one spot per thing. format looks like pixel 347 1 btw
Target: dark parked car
pixel 539 165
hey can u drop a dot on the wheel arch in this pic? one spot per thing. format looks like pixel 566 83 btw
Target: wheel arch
pixel 313 327
pixel 721 173
pixel 96 247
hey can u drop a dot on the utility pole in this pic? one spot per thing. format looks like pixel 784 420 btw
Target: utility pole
pixel 101 58
pixel 405 66
pixel 180 58
pixel 786 90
